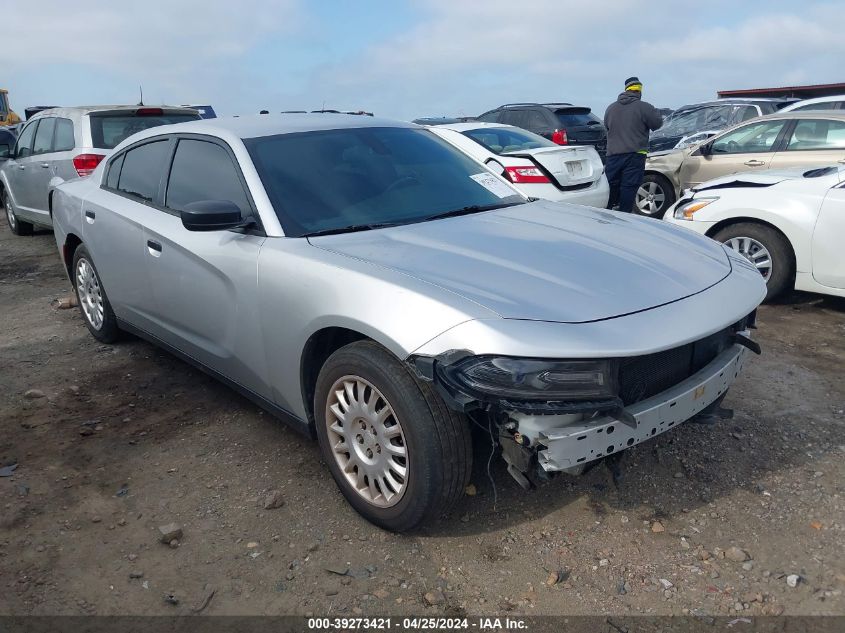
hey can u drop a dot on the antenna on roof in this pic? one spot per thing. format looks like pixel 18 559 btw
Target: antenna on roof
pixel 141 90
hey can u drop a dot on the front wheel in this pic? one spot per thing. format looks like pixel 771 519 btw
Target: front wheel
pixel 654 196
pixel 398 454
pixel 93 302
pixel 18 227
pixel 767 249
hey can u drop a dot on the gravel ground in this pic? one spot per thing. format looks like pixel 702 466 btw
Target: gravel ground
pixel 116 441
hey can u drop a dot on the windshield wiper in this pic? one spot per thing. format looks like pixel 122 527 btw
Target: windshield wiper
pixel 475 208
pixel 351 229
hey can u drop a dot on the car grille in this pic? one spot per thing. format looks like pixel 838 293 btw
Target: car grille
pixel 641 377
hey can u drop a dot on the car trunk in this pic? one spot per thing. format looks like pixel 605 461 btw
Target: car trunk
pixel 569 166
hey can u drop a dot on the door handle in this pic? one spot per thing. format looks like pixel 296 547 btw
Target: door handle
pixel 154 248
pixel 21 167
pixel 754 163
pixel 89 216
pixel 45 165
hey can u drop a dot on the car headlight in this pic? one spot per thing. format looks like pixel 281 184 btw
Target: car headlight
pixel 532 379
pixel 685 210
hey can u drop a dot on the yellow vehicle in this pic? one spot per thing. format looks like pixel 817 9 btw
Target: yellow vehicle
pixel 7 116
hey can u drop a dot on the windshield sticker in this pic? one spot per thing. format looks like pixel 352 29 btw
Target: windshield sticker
pixel 493 185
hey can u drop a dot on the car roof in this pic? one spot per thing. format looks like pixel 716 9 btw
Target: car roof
pixel 83 110
pixel 836 115
pixel 259 125
pixel 826 99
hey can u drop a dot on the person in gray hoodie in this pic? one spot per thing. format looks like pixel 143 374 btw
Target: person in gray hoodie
pixel 628 121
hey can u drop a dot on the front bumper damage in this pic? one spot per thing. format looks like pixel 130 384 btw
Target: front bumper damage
pixel 568 447
pixel 539 439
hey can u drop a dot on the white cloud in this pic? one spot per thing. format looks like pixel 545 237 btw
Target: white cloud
pixel 173 37
pixel 466 57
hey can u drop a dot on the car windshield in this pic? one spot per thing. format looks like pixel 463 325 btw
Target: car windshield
pixel 358 178
pixel 108 130
pixel 502 140
pixel 704 118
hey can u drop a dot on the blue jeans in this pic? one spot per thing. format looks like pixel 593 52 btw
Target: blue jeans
pixel 624 175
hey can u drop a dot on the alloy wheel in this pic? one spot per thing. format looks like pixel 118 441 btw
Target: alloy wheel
pixel 10 215
pixel 650 198
pixel 367 441
pixel 90 293
pixel 754 252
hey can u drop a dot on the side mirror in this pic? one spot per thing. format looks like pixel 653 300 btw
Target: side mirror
pixel 5 151
pixel 706 149
pixel 212 215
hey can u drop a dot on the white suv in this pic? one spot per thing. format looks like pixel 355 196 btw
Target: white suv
pixel 63 143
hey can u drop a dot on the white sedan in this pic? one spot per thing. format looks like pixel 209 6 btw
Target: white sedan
pixel 535 165
pixel 790 224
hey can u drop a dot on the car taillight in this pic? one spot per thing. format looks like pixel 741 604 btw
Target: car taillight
pixel 525 175
pixel 559 137
pixel 86 163
pixel 149 112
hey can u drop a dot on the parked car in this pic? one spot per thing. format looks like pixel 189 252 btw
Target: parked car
pixel 561 123
pixel 64 143
pixel 375 286
pixel 709 117
pixel 535 165
pixel 790 224
pixel 781 140
pixel 7 142
pixel 833 102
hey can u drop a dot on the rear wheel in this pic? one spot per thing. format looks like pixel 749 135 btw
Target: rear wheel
pixel 18 227
pixel 93 302
pixel 767 249
pixel 398 454
pixel 654 196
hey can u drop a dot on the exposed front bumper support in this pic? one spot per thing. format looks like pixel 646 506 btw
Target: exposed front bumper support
pixel 574 445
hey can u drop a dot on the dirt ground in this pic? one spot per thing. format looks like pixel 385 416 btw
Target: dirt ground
pixel 126 438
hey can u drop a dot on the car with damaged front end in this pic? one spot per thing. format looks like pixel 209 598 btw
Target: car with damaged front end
pixel 376 287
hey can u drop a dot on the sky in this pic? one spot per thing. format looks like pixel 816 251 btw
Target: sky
pixel 411 58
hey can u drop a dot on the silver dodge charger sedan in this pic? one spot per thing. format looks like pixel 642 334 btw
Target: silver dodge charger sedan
pixel 370 283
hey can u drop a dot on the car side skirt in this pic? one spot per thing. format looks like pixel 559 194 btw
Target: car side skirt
pixel 286 416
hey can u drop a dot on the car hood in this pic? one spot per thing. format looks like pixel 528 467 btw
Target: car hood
pixel 771 177
pixel 546 261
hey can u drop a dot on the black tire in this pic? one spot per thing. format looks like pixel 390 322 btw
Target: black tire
pixel 437 439
pixel 782 275
pixel 107 332
pixel 16 225
pixel 661 187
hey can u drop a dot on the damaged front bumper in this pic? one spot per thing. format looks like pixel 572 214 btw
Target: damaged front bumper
pixel 566 448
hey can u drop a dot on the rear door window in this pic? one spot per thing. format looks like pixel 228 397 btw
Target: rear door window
pixel 64 135
pixel 817 134
pixel 491 117
pixel 204 171
pixel 142 170
pixel 108 130
pixel 24 146
pixel 44 136
pixel 114 172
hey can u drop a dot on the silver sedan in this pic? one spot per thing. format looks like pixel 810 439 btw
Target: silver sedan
pixel 368 282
